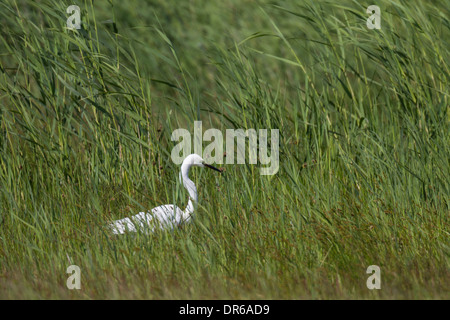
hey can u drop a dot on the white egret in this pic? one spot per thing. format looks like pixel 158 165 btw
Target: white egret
pixel 166 216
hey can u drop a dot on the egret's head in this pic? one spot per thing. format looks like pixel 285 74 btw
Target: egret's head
pixel 196 160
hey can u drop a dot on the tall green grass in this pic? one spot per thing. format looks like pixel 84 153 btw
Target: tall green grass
pixel 86 119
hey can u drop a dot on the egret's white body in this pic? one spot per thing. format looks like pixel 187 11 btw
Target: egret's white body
pixel 166 216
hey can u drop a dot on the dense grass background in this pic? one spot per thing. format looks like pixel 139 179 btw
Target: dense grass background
pixel 86 118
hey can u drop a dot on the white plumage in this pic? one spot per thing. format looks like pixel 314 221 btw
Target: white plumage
pixel 166 216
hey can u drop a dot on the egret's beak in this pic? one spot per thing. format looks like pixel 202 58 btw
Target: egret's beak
pixel 211 167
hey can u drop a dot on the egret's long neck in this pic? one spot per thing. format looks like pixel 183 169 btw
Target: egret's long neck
pixel 190 187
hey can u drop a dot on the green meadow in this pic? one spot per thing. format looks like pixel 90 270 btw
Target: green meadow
pixel 86 118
